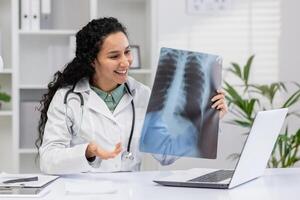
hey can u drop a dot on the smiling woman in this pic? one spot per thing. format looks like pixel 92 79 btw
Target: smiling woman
pixel 88 117
pixel 112 62
pixel 84 116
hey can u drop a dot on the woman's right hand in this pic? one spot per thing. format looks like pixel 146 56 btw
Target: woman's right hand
pixel 93 150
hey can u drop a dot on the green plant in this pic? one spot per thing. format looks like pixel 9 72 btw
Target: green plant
pixel 245 99
pixel 4 97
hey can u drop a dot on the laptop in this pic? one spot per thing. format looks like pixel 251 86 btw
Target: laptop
pixel 251 164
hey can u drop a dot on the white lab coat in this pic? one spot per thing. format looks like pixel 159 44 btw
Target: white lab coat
pixel 63 153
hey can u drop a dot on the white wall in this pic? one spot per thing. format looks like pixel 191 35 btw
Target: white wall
pixel 289 53
pixel 174 27
pixel 289 57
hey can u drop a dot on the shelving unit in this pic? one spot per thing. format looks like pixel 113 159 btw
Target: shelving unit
pixel 6 83
pixel 36 55
pixel 6 71
pixel 28 151
pixel 4 113
pixel 48 32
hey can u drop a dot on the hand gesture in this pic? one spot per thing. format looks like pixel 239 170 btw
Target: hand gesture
pixel 93 150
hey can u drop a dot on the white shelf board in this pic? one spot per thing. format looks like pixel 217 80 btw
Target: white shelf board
pixel 6 71
pixel 48 32
pixel 28 151
pixel 140 71
pixel 33 87
pixel 5 113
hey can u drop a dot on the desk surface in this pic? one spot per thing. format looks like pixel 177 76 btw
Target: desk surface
pixel 274 185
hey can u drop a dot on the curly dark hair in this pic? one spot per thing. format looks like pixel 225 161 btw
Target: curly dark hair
pixel 89 41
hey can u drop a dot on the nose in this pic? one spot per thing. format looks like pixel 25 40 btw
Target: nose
pixel 125 61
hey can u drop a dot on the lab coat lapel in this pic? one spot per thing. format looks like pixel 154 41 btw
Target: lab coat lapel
pixel 126 99
pixel 97 104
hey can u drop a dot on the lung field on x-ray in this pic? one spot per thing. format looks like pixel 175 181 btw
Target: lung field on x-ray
pixel 178 90
pixel 181 97
pixel 163 79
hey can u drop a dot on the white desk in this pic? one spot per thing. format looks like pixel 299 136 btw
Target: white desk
pixel 283 184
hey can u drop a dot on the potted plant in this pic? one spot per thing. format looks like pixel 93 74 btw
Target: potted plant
pixel 4 97
pixel 246 99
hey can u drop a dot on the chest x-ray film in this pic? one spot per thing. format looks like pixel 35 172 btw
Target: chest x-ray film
pixel 179 119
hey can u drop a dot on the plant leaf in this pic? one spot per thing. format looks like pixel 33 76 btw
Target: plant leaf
pixel 294 98
pixel 4 97
pixel 247 70
pixel 236 70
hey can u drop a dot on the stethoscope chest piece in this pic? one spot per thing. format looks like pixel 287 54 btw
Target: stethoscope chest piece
pixel 127 156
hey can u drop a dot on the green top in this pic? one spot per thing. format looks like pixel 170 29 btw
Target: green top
pixel 113 98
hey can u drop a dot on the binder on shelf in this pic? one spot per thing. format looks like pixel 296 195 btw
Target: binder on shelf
pixel 35 14
pixel 46 7
pixel 30 15
pixel 45 14
pixel 25 15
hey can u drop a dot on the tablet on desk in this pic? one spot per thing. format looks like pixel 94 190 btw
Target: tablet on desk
pixel 24 185
pixel 22 192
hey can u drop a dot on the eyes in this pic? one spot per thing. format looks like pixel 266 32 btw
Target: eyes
pixel 117 55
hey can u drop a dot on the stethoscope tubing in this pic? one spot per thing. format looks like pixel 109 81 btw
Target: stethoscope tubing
pixel 82 104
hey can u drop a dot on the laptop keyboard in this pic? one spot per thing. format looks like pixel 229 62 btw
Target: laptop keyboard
pixel 216 176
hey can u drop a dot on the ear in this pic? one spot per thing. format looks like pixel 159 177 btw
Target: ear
pixel 93 63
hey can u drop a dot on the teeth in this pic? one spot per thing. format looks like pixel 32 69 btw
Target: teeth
pixel 122 72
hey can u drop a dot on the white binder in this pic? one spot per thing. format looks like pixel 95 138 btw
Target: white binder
pixel 30 15
pixel 46 18
pixel 25 15
pixel 46 7
pixel 35 15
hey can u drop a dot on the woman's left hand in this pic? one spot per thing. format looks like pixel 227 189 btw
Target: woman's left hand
pixel 219 103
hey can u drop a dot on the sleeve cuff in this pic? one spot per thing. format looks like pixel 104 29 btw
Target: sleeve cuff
pixel 95 163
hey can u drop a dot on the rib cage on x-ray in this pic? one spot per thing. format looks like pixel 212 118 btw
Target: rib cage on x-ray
pixel 186 94
pixel 181 94
pixel 163 80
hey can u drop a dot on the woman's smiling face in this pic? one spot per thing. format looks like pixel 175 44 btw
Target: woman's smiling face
pixel 112 62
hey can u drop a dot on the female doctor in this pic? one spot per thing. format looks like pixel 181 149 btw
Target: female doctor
pixel 92 115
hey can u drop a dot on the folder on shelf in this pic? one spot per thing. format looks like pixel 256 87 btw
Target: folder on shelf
pixel 24 185
pixel 45 22
pixel 25 15
pixel 30 15
pixel 35 14
pixel 46 7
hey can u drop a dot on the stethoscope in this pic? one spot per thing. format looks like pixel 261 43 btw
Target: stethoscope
pixel 69 115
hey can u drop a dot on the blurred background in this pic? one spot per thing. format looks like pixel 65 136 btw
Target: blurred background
pixel 257 39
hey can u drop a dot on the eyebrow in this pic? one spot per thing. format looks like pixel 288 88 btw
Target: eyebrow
pixel 113 52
